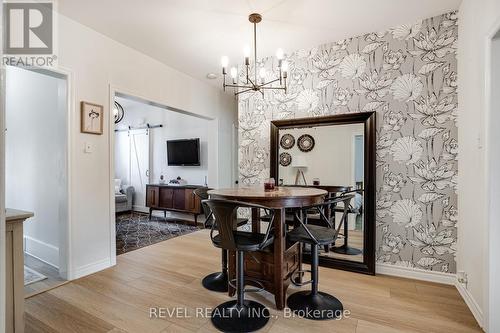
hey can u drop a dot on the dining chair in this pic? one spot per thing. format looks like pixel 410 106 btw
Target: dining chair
pixel 240 315
pixel 217 281
pixel 314 304
pixel 345 249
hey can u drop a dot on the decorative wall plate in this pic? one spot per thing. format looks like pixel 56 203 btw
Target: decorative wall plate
pixel 285 159
pixel 305 143
pixel 287 141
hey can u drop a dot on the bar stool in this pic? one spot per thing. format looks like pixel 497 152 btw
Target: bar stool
pixel 314 304
pixel 217 281
pixel 239 315
pixel 345 248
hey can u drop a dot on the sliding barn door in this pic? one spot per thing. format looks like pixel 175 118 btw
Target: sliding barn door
pixel 139 166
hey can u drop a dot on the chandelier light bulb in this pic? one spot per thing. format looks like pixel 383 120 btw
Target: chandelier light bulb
pixel 246 51
pixel 234 72
pixel 253 77
pixel 284 67
pixel 224 61
pixel 280 54
pixel 262 72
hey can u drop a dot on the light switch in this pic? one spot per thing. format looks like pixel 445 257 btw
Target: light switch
pixel 89 148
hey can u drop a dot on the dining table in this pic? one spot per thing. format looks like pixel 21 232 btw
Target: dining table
pixel 272 267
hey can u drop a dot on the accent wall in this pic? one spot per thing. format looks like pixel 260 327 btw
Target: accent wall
pixel 408 75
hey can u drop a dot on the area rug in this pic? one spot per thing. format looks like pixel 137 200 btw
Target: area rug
pixel 32 276
pixel 136 230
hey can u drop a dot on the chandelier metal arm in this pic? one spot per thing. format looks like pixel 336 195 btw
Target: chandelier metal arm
pixel 251 82
pixel 238 86
pixel 270 82
pixel 273 88
pixel 243 91
pixel 253 85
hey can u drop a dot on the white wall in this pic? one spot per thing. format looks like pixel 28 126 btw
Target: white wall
pixel 331 160
pixel 476 22
pixel 97 63
pixel 176 125
pixel 493 291
pixel 36 120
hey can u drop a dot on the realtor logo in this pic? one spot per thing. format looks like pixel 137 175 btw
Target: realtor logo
pixel 28 28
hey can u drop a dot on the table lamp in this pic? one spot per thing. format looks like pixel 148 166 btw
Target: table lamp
pixel 300 163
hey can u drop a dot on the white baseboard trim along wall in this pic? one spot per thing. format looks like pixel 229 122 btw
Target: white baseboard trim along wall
pixel 471 303
pixel 142 209
pixel 415 273
pixel 47 253
pixel 91 268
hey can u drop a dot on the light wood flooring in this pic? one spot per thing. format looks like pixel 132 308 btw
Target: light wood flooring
pixel 355 241
pixel 53 279
pixel 168 275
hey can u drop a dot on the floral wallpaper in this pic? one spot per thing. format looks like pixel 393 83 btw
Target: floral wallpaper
pixel 408 75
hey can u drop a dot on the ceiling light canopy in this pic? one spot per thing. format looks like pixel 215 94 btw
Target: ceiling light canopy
pixel 260 75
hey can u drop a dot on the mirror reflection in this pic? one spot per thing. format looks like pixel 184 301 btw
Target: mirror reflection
pixel 332 158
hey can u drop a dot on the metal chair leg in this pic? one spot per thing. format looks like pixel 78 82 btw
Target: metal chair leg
pixel 218 281
pixel 313 304
pixel 240 315
pixel 345 248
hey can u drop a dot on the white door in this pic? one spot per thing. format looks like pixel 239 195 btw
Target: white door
pixel 139 166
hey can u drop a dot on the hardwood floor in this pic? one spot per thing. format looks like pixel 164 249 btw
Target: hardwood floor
pixel 53 279
pixel 168 275
pixel 355 241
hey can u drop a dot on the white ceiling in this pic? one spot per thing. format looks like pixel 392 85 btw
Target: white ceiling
pixel 192 35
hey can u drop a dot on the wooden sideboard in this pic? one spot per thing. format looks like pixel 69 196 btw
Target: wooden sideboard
pixel 15 270
pixel 173 198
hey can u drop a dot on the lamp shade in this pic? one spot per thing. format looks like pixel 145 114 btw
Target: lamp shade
pixel 299 161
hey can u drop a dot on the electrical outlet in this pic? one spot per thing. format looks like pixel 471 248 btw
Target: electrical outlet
pixel 462 277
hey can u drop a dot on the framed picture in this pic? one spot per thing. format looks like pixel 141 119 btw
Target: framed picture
pixel 92 118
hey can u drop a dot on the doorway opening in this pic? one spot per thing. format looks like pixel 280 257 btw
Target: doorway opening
pixel 153 184
pixel 493 180
pixel 36 165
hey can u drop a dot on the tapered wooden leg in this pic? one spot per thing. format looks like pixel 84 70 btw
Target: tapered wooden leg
pixel 279 250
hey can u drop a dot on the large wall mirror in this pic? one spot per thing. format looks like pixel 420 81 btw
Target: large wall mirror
pixel 337 154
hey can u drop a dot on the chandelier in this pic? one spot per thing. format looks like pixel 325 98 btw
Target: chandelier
pixel 258 83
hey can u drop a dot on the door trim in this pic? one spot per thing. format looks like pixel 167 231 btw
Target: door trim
pixel 489 149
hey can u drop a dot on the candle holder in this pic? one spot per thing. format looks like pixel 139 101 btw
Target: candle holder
pixel 269 185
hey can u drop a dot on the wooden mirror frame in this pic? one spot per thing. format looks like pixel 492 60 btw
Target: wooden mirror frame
pixel 369 121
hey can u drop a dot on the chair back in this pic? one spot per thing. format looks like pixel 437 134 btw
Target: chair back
pixel 226 221
pixel 322 208
pixel 202 193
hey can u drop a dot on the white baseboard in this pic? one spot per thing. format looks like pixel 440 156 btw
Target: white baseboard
pixel 471 303
pixel 47 253
pixel 91 268
pixel 416 273
pixel 141 209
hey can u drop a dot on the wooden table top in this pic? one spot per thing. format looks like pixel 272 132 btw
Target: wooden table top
pixel 328 188
pixel 279 198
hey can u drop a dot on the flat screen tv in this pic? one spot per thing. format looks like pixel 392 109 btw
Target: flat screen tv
pixel 183 152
